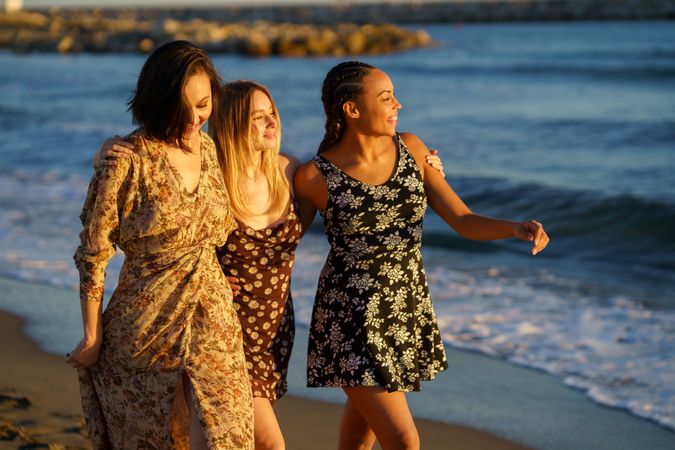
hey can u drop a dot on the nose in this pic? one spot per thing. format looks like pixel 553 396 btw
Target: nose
pixel 271 122
pixel 397 104
pixel 195 117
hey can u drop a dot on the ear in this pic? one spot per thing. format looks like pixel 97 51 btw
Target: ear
pixel 350 110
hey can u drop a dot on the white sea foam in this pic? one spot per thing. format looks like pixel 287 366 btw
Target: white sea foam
pixel 614 348
pixel 620 353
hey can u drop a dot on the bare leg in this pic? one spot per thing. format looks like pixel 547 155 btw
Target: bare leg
pixel 267 432
pixel 355 434
pixel 388 416
pixel 197 438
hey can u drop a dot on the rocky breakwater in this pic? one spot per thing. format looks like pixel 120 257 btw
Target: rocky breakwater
pixel 129 31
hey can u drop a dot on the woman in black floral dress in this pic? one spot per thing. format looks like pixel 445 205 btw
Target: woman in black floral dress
pixel 373 329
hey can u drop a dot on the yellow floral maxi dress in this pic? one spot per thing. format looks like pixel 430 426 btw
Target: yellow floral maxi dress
pixel 171 313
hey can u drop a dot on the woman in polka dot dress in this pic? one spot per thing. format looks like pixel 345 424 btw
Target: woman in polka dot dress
pixel 260 251
pixel 258 255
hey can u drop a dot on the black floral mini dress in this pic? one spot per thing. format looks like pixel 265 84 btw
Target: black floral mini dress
pixel 373 323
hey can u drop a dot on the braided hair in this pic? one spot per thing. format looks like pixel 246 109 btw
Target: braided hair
pixel 343 83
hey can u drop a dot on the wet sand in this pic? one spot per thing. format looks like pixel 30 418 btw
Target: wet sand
pixel 40 407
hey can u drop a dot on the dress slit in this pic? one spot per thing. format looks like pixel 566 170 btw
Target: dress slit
pixel 180 415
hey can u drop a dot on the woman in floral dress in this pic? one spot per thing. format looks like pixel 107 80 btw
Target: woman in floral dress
pixel 260 251
pixel 373 331
pixel 163 366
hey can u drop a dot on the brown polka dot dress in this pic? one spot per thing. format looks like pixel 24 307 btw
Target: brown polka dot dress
pixel 262 260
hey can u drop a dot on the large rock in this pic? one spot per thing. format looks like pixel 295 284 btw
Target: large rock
pixel 67 31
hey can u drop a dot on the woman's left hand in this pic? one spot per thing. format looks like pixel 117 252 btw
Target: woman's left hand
pixel 533 231
pixel 435 161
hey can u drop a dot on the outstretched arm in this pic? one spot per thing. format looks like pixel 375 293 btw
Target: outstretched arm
pixel 459 216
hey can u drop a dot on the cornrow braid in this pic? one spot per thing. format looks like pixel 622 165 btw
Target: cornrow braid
pixel 343 83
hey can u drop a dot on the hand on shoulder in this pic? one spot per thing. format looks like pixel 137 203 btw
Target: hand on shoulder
pixel 112 150
pixel 417 149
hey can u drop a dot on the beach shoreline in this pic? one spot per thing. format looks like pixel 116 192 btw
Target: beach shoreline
pixel 40 405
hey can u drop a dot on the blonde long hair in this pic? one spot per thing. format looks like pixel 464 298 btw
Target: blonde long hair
pixel 231 129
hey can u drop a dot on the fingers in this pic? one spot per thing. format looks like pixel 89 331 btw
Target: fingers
pixel 73 361
pixel 83 356
pixel 111 155
pixel 117 151
pixel 538 236
pixel 78 361
pixel 122 147
pixel 234 284
pixel 112 149
pixel 435 161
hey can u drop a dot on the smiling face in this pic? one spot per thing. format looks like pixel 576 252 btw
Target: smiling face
pixel 264 122
pixel 197 96
pixel 376 108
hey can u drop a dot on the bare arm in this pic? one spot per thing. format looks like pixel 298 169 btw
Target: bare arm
pixel 459 216
pixel 311 193
pixel 289 164
pixel 85 354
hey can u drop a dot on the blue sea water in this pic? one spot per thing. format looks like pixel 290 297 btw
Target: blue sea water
pixel 569 123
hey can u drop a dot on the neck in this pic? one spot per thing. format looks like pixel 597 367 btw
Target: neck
pixel 364 147
pixel 253 170
pixel 194 142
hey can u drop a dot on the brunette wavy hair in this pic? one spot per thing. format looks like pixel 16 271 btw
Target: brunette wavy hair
pixel 158 104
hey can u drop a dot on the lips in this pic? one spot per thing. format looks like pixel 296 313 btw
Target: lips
pixel 192 128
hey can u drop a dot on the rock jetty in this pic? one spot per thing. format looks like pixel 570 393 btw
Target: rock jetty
pixel 126 30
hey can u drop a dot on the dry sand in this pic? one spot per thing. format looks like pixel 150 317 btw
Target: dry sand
pixel 40 407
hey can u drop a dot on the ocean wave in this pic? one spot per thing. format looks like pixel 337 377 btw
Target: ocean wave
pixel 612 224
pixel 592 335
pixel 648 70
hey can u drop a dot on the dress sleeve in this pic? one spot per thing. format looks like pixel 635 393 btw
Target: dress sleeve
pixel 101 218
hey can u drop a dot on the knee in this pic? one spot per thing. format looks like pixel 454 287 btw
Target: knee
pixel 411 440
pixel 407 439
pixel 271 444
pixel 365 445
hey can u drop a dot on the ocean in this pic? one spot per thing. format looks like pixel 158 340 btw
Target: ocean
pixel 572 124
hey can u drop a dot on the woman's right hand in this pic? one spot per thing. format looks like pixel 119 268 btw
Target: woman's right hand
pixel 111 149
pixel 234 285
pixel 84 355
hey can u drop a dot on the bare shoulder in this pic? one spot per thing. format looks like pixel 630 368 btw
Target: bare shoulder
pixel 309 181
pixel 308 172
pixel 414 144
pixel 417 148
pixel 311 191
pixel 288 163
